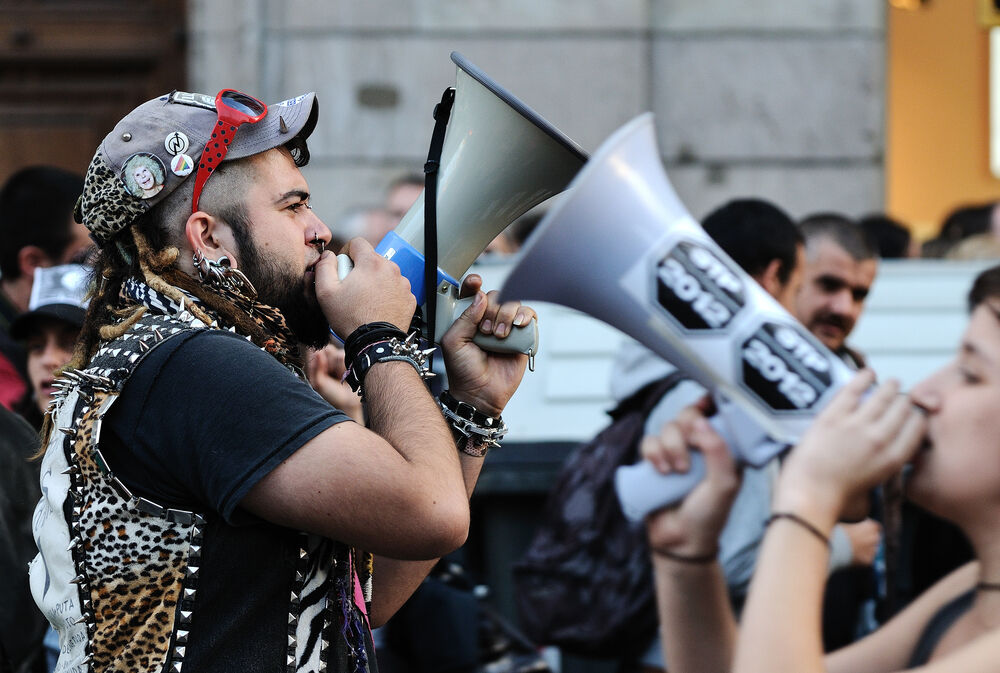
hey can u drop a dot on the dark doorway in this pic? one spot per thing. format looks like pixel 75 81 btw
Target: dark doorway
pixel 70 69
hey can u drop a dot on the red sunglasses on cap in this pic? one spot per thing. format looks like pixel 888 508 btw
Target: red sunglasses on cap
pixel 234 109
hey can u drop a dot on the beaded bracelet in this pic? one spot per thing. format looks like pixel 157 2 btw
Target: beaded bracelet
pixel 474 432
pixel 391 350
pixel 795 518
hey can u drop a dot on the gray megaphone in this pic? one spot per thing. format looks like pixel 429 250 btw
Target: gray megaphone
pixel 499 160
pixel 621 247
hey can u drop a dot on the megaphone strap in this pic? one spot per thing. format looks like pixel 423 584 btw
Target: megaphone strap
pixel 442 112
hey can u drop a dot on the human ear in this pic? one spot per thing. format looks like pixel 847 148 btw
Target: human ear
pixel 31 257
pixel 210 236
pixel 769 278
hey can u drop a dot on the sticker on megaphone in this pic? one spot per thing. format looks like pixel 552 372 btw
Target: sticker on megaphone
pixel 768 374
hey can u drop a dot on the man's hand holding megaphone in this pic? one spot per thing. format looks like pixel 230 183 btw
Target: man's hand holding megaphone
pixel 375 291
pixel 486 378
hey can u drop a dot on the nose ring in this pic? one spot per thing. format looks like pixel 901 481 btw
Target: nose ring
pixel 318 243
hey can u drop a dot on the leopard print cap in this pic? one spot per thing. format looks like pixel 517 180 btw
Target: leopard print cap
pixel 106 206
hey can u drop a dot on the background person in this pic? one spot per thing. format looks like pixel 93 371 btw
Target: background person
pixel 36 230
pixel 841 263
pixel 767 244
pixel 50 328
pixel 857 442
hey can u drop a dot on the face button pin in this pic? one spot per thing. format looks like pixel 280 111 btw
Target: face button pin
pixel 143 175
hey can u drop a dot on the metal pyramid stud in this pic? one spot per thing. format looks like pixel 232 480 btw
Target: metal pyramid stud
pixel 282 126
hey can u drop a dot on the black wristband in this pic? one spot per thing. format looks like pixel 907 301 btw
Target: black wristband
pixel 391 350
pixel 467 411
pixel 367 334
pixel 479 431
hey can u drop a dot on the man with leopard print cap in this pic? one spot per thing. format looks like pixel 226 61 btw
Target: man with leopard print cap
pixel 203 509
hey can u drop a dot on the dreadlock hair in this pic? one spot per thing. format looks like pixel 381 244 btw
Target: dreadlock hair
pixel 149 249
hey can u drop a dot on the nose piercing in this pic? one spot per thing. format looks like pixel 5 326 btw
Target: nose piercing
pixel 318 243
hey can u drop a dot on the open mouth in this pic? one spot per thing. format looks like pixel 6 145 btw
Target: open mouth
pixel 46 387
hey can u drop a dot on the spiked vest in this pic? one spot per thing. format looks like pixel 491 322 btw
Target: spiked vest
pixel 118 574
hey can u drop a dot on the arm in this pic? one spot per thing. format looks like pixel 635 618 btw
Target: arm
pixel 852 446
pixel 485 380
pixel 401 489
pixel 400 492
pixel 696 621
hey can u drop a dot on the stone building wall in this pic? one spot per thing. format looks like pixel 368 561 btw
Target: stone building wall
pixel 771 98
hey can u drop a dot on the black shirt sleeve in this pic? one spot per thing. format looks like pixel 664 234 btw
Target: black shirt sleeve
pixel 204 417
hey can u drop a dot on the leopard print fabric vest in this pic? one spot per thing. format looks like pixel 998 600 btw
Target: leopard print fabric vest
pixel 117 574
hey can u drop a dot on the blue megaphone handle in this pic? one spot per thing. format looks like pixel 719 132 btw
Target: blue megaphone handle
pixel 523 339
pixel 410 262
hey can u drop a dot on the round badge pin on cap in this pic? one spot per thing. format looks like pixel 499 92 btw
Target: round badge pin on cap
pixel 143 175
pixel 176 142
pixel 182 165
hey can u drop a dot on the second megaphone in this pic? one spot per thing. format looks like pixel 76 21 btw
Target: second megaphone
pixel 621 247
pixel 499 159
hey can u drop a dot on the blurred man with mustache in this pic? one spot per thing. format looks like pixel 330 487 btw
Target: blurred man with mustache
pixel 841 263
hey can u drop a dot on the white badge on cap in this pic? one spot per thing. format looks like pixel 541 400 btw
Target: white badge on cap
pixel 182 165
pixel 176 143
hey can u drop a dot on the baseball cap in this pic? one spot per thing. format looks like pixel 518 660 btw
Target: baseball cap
pixel 154 148
pixel 57 292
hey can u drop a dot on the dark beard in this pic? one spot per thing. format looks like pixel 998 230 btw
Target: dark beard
pixel 285 293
